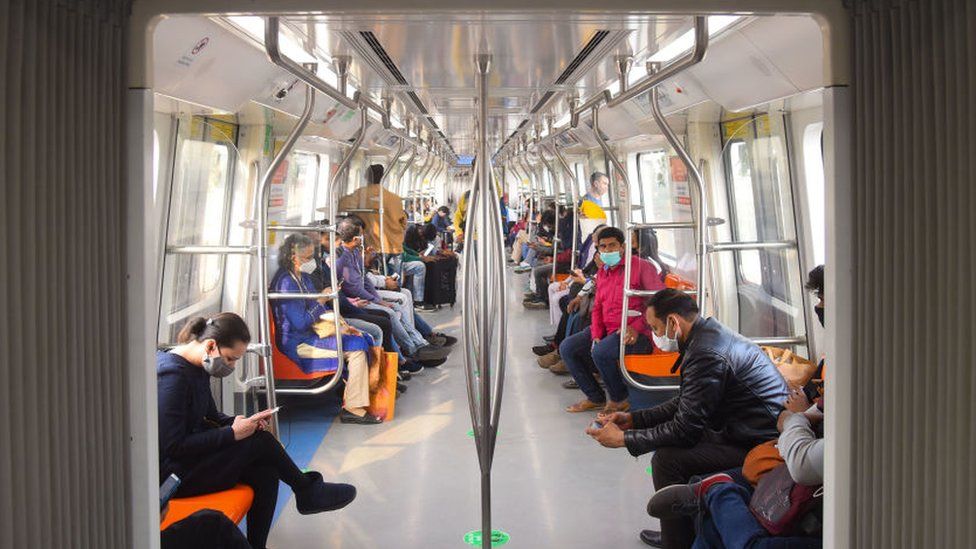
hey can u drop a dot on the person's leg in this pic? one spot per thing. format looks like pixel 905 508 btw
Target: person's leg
pixel 572 351
pixel 606 356
pixel 672 465
pixel 399 331
pixel 417 272
pixel 554 295
pixel 381 321
pixel 541 276
pixel 355 398
pixel 422 326
pixel 728 509
pixel 367 328
pixel 264 481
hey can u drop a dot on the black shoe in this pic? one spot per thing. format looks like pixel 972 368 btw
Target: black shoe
pixel 401 388
pixel 441 340
pixel 652 538
pixel 535 305
pixel 319 496
pixel 549 339
pixel 433 363
pixel 424 308
pixel 346 416
pixel 403 375
pixel 430 352
pixel 542 350
pixel 411 366
pixel 571 384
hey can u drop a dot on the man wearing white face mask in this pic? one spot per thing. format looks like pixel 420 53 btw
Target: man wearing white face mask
pixel 729 399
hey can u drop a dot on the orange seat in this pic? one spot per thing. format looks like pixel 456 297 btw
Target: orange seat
pixel 678 283
pixel 558 277
pixel 234 503
pixel 654 365
pixel 284 368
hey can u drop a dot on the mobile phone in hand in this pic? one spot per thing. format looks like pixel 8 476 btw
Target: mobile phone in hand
pixel 167 490
pixel 596 425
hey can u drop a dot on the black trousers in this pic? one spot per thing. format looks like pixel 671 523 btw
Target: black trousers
pixel 542 274
pixel 205 529
pixel 673 465
pixel 258 461
pixel 380 319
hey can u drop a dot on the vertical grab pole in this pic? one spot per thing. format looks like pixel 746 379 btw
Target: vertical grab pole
pixel 528 173
pixel 264 192
pixel 386 174
pixel 556 188
pixel 575 193
pixel 701 223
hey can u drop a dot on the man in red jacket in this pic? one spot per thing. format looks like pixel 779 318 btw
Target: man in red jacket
pixel 599 346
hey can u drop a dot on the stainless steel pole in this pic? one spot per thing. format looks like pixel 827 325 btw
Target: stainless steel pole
pixel 382 212
pixel 574 191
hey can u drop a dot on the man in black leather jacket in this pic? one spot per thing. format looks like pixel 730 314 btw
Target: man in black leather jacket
pixel 728 402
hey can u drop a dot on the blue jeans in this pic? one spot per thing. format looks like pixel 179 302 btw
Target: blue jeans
pixel 728 523
pixel 422 326
pixel 367 328
pixel 407 337
pixel 576 352
pixel 416 271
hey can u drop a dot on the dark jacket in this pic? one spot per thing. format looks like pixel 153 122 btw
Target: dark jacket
pixel 730 393
pixel 190 426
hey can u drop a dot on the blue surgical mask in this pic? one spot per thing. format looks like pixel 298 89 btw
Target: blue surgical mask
pixel 610 259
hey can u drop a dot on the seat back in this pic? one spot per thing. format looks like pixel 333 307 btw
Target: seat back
pixel 284 368
pixel 234 503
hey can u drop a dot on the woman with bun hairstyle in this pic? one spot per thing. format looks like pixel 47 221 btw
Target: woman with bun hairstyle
pixel 210 451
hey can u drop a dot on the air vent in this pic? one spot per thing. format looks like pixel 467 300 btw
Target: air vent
pixel 370 39
pixel 416 101
pixel 581 56
pixel 542 101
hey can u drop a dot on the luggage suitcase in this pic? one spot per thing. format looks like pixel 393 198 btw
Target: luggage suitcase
pixel 440 285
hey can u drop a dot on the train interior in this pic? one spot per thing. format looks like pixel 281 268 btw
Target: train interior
pixel 750 114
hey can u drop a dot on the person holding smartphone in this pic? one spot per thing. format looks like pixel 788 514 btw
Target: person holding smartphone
pixel 211 451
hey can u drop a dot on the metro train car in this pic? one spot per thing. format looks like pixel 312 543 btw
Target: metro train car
pixel 494 274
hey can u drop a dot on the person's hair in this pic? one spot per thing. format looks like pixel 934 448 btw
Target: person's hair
pixel 227 329
pixel 348 230
pixel 648 247
pixel 815 280
pixel 596 176
pixel 548 217
pixel 288 248
pixel 673 302
pixel 414 239
pixel 430 232
pixel 444 209
pixel 611 232
pixel 356 220
pixel 374 174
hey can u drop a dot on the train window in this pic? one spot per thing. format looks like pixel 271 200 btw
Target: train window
pixel 322 185
pixel 300 184
pixel 636 192
pixel 665 199
pixel 743 196
pixel 198 215
pixel 813 169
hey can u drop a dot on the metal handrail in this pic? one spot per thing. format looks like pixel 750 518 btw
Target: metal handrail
pixel 575 192
pixel 780 340
pixel 262 196
pixel 204 250
pixel 557 186
pixel 755 245
pixel 271 46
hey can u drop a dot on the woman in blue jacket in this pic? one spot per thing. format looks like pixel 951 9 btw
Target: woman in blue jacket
pixel 210 451
pixel 296 338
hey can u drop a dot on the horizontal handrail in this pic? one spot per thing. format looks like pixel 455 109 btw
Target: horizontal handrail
pixel 663 225
pixel 649 293
pixel 300 228
pixel 738 246
pixel 786 340
pixel 271 30
pixel 279 296
pixel 208 250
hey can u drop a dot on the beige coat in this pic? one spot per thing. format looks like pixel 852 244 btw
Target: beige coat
pixel 394 223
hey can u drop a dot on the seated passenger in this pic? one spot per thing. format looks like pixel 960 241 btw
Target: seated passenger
pixel 729 399
pixel 297 322
pixel 560 254
pixel 212 452
pixel 442 219
pixel 350 269
pixel 412 267
pixel 601 343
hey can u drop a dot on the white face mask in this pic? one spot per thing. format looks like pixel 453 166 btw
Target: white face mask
pixel 664 342
pixel 308 267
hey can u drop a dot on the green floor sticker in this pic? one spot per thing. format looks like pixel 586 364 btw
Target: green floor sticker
pixel 650 471
pixel 498 538
pixel 471 433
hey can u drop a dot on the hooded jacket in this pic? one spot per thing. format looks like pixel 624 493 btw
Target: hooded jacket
pixel 190 426
pixel 730 391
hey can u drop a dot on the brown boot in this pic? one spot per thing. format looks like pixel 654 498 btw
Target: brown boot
pixel 548 360
pixel 585 405
pixel 559 368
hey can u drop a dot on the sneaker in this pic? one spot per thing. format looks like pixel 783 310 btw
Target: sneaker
pixel 423 307
pixel 535 305
pixel 441 340
pixel 319 496
pixel 546 361
pixel 528 294
pixel 549 339
pixel 652 538
pixel 430 352
pixel 559 368
pixel 683 500
pixel 542 350
pixel 571 384
pixel 411 366
pixel 433 363
pixel 585 405
pixel 403 375
pixel 520 269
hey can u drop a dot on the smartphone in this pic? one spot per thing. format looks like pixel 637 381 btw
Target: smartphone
pixel 596 425
pixel 167 490
pixel 395 276
pixel 266 413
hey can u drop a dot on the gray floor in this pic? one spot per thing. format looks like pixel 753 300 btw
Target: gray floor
pixel 418 476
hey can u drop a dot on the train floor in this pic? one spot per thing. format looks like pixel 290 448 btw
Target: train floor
pixel 418 478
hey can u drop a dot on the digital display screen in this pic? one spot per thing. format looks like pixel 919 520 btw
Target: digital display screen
pixel 465 159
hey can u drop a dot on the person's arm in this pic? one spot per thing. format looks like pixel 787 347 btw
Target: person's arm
pixel 648 279
pixel 702 387
pixel 597 328
pixel 300 316
pixel 353 284
pixel 174 438
pixel 409 254
pixel 802 450
pixel 649 417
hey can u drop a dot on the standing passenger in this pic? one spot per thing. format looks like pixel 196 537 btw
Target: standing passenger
pixel 368 198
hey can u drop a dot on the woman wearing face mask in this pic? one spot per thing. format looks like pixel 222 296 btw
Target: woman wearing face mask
pixel 210 451
pixel 295 320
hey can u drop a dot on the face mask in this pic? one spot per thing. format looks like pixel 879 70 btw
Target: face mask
pixel 665 343
pixel 217 366
pixel 820 314
pixel 610 259
pixel 308 267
